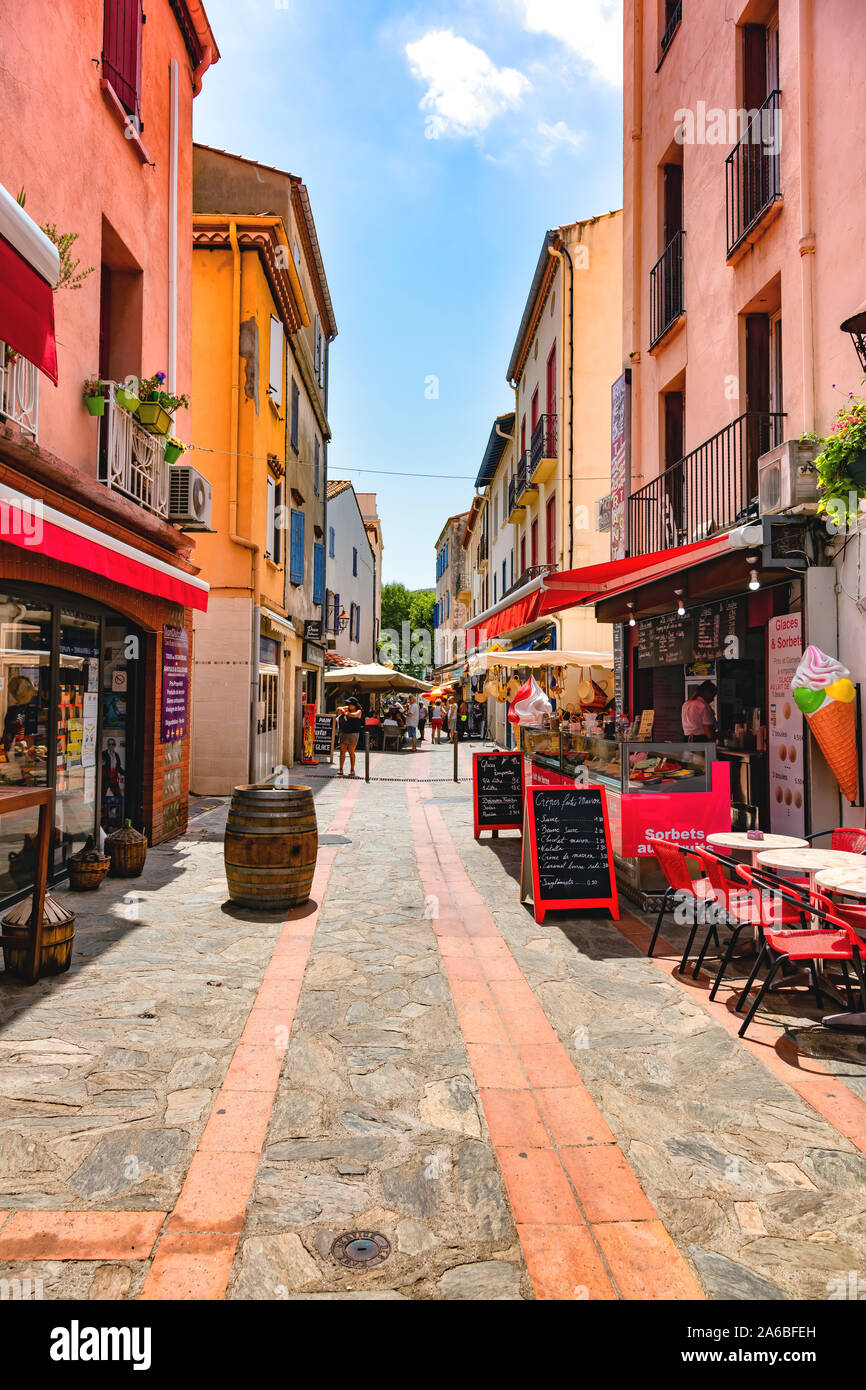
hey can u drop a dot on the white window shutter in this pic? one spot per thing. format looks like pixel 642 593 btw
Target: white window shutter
pixel 275 368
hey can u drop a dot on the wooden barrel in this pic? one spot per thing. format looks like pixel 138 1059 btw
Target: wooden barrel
pixel 271 844
pixel 58 934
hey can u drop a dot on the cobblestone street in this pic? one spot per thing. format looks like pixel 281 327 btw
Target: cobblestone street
pixel 212 1096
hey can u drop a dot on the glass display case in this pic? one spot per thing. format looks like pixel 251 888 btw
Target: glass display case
pixel 602 758
pixel 667 767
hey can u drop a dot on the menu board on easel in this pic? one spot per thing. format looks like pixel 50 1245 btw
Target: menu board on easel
pixel 567 858
pixel 324 732
pixel 497 791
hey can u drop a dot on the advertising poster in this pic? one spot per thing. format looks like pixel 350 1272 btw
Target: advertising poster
pixel 785 727
pixel 175 683
pixel 113 778
pixel 309 734
pixel 619 465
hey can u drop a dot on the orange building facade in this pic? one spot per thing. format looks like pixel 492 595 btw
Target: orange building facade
pixel 97 578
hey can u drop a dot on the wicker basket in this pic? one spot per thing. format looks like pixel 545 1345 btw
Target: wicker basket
pixel 127 849
pixel 58 933
pixel 87 868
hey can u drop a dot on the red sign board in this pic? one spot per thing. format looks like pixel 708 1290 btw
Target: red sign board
pixel 681 818
pixel 567 859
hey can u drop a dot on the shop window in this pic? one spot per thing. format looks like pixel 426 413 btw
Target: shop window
pixel 25 702
pixel 77 718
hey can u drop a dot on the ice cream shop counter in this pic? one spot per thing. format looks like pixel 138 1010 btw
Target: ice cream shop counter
pixel 680 792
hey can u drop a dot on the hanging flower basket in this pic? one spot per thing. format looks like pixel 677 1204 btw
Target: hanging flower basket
pixel 841 462
pixel 154 418
pixel 173 450
pixel 93 394
pixel 95 404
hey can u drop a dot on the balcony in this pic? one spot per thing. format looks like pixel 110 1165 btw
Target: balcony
pixel 483 553
pixel 674 17
pixel 532 572
pixel 131 461
pixel 19 391
pixel 667 290
pixel 516 508
pixel 752 173
pixel 712 489
pixel 544 453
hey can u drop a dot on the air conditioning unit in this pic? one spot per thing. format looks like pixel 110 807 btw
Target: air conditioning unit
pixel 787 478
pixel 189 498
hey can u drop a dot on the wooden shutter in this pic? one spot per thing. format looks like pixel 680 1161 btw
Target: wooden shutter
pixel 275 365
pixel 318 572
pixel 673 200
pixel 271 523
pixel 754 66
pixel 121 52
pixel 336 612
pixel 551 530
pixel 297 541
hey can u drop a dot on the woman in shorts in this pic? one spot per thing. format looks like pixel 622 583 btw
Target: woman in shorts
pixel 351 724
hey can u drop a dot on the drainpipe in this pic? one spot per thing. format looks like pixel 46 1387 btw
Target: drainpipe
pixel 807 231
pixel 234 488
pixel 172 225
pixel 563 255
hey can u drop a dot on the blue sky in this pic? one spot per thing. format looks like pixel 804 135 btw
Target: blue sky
pixel 438 141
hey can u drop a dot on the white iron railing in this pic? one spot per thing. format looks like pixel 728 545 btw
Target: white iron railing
pixel 19 390
pixel 132 461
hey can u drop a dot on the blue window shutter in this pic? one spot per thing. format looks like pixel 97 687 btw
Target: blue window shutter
pixel 357 622
pixel 318 573
pixel 331 541
pixel 297 560
pixel 336 612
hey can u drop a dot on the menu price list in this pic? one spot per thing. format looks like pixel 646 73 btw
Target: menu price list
pixel 499 789
pixel 571 844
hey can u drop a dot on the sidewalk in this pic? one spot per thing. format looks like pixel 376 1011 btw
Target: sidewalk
pixel 210 1098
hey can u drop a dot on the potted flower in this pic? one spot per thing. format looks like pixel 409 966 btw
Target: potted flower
pixel 158 405
pixel 173 449
pixel 841 461
pixel 94 395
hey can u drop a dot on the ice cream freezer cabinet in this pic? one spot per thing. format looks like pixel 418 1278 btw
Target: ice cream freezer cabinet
pixel 679 793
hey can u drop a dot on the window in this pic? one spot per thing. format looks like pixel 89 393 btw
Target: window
pixel 317 348
pixel 551 530
pixel 296 255
pixel 275 367
pixel 296 396
pixel 296 571
pixel 522 553
pixel 355 561
pixel 316 479
pixel 533 543
pixel 121 53
pixel 494 588
pixel 336 613
pixel 448 605
pixel 275 521
pixel 329 603
pixel 504 578
pixel 352 622
pixel 523 436
pixel 534 409
pixel 318 573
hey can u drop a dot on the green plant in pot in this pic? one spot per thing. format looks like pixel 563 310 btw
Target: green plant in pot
pixel 158 406
pixel 841 462
pixel 93 392
pixel 173 449
pixel 126 397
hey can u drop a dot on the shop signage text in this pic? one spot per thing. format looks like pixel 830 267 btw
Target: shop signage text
pixel 175 684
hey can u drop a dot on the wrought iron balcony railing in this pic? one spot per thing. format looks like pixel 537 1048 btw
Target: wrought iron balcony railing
pixel 752 171
pixel 484 547
pixel 544 440
pixel 667 289
pixel 711 489
pixel 513 495
pixel 532 572
pixel 19 390
pixel 523 474
pixel 131 461
pixel 674 20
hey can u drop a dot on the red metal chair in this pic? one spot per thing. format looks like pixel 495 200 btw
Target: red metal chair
pixel 847 838
pixel 744 906
pixel 673 863
pixel 832 940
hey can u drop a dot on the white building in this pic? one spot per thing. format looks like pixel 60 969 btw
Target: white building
pixel 352 588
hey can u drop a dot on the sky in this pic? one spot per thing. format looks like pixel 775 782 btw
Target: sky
pixel 439 140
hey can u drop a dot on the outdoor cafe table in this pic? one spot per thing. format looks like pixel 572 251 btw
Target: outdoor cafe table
pixel 814 862
pixel 739 840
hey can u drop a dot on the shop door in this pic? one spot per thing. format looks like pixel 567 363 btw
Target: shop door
pixel 269 724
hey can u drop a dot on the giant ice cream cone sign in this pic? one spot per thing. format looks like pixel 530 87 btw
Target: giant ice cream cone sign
pixel 824 692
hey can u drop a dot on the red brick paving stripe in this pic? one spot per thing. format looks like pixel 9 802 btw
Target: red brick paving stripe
pixel 826 1093
pixel 194 1258
pixel 80 1235
pixel 645 1262
pixel 541 1117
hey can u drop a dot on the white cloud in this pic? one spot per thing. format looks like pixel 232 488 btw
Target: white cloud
pixel 558 134
pixel 593 28
pixel 465 88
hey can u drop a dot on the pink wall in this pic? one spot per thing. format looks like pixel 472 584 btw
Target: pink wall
pixel 703 64
pixel 62 142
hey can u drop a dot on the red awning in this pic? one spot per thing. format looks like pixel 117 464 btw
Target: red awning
pixel 42 530
pixel 517 614
pixel 596 582
pixel 27 311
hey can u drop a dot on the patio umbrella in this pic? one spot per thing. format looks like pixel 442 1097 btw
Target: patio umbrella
pixel 374 677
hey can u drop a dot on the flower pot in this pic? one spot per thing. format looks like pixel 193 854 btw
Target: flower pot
pixel 127 400
pixel 173 452
pixel 95 404
pixel 154 418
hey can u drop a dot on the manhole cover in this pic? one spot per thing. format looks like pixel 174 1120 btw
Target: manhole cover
pixel 361 1249
pixel 334 840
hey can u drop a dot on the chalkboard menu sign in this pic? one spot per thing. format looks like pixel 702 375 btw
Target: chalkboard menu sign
pixel 567 855
pixel 323 737
pixel 708 633
pixel 720 630
pixel 665 641
pixel 497 786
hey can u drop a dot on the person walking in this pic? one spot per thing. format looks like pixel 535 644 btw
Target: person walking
pixel 451 720
pixel 422 719
pixel 351 723
pixel 413 715
pixel 436 713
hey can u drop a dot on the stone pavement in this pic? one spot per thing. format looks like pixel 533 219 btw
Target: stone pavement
pixel 212 1096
